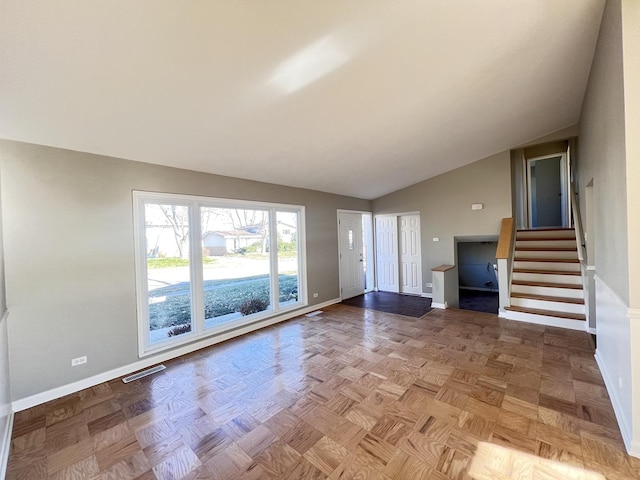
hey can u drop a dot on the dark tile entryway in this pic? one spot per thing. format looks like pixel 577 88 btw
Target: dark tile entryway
pixel 408 305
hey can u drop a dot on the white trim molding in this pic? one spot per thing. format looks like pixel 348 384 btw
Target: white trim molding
pixel 43 397
pixel 427 295
pixel 615 358
pixel 623 423
pixel 633 313
pixel 5 445
pixel 6 412
pixel 438 305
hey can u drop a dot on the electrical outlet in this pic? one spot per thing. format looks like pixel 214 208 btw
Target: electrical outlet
pixel 78 361
pixel 315 295
pixel 429 284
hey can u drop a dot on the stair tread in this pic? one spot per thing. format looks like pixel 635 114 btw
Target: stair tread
pixel 543 239
pixel 547 259
pixel 548 313
pixel 547 284
pixel 549 229
pixel 545 272
pixel 546 249
pixel 548 298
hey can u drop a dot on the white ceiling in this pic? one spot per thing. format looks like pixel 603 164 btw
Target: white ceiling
pixel 359 97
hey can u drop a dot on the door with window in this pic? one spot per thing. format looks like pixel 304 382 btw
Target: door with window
pixel 351 254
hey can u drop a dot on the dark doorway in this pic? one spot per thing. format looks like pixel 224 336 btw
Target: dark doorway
pixel 545 187
pixel 478 285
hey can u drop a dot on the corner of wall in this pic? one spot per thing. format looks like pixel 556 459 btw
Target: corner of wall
pixel 6 412
pixel 5 444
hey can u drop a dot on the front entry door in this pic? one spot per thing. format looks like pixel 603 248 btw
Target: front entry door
pixel 351 254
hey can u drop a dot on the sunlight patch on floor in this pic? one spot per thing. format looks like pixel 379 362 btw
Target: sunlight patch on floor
pixel 493 462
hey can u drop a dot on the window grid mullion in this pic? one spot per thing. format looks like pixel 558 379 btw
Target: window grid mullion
pixel 273 259
pixel 197 283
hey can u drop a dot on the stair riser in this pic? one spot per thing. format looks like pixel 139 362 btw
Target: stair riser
pixel 546 244
pixel 546 254
pixel 546 234
pixel 545 320
pixel 557 266
pixel 546 305
pixel 550 291
pixel 547 278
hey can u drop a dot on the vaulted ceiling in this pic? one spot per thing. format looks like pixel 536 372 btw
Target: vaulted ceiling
pixel 359 97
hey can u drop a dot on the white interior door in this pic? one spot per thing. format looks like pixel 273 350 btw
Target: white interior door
pixel 351 254
pixel 410 256
pixel 387 253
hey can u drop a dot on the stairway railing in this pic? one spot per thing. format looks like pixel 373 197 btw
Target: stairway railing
pixel 587 275
pixel 577 224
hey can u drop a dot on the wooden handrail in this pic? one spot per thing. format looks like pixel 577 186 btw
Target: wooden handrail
pixel 577 224
pixel 506 239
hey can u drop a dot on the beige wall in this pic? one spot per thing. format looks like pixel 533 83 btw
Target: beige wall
pixel 609 154
pixel 602 154
pixel 444 203
pixel 70 261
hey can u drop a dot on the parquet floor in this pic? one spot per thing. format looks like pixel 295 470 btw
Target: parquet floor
pixel 350 394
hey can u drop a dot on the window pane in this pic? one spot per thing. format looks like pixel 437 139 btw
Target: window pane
pixel 168 271
pixel 288 280
pixel 236 265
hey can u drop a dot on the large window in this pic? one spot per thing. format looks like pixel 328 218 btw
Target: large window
pixel 208 265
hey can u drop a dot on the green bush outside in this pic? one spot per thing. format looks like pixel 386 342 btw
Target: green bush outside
pixel 221 297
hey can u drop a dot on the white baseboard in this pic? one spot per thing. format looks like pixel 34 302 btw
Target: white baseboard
pixel 5 445
pixel 438 305
pixel 634 451
pixel 427 295
pixel 43 397
pixel 623 423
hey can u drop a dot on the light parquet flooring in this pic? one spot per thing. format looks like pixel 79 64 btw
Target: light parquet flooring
pixel 349 394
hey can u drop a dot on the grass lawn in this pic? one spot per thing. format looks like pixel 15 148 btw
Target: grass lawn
pixel 153 263
pixel 221 297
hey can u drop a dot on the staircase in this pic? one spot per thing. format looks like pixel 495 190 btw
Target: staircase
pixel 546 284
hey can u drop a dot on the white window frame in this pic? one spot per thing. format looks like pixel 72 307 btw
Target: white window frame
pixel 141 198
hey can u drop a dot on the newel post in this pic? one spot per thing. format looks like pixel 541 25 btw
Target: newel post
pixel 445 286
